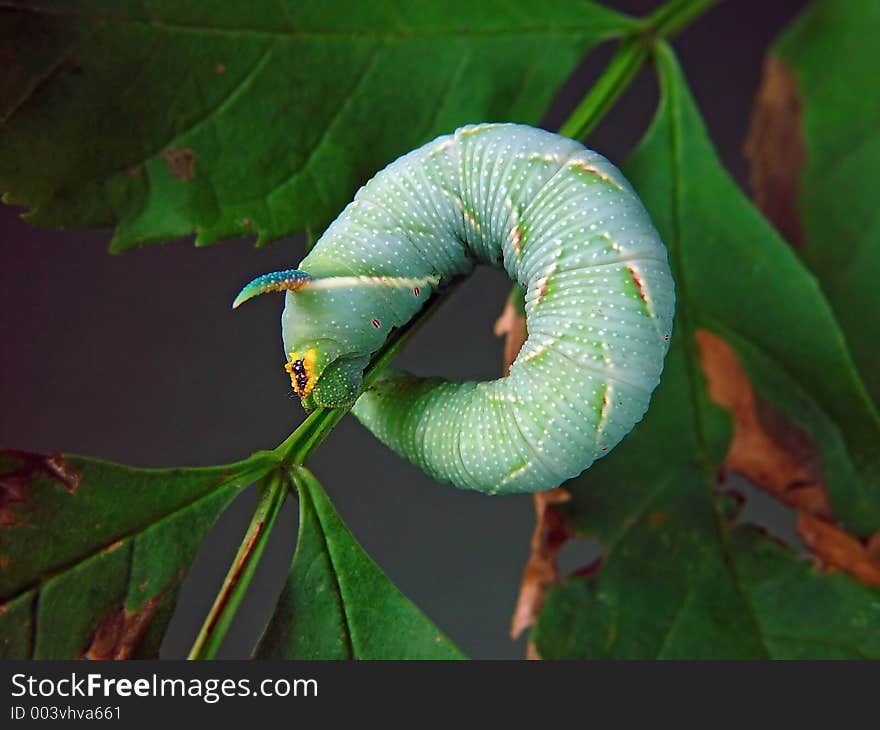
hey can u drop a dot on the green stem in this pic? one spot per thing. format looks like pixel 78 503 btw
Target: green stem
pixel 625 64
pixel 631 55
pixel 675 16
pixel 272 491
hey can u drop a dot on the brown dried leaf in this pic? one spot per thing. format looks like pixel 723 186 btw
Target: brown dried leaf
pixel 15 483
pixel 769 451
pixel 532 652
pixel 118 635
pixel 782 459
pixel 511 325
pixel 181 162
pixel 550 534
pixel 873 546
pixel 776 149
pixel 836 549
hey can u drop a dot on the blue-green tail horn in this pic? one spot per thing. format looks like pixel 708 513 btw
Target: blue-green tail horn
pixel 288 280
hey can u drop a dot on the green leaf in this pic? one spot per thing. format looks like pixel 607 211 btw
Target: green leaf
pixel 735 277
pixel 93 554
pixel 337 603
pixel 762 603
pixel 262 117
pixel 821 103
pixel 678 580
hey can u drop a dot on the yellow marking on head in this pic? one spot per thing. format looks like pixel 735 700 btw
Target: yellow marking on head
pixel 302 371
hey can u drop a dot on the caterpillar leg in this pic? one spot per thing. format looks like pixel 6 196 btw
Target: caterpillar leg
pixel 340 382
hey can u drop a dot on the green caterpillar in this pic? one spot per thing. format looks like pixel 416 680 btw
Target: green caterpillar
pixel 567 226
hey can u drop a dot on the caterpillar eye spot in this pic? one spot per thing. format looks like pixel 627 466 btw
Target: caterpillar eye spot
pixel 301 372
pixel 416 290
pixel 376 323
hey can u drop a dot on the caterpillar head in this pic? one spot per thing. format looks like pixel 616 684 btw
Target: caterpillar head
pixel 301 368
pixel 320 379
pixel 326 353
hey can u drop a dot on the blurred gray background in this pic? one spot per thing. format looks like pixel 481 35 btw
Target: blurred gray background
pixel 139 359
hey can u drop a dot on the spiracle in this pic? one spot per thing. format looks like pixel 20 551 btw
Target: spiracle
pixel 565 224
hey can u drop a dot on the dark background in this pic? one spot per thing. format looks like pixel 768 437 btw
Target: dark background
pixel 139 359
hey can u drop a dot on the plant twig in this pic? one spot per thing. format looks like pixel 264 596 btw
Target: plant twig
pixel 632 54
pixel 242 569
pixel 624 65
pixel 675 16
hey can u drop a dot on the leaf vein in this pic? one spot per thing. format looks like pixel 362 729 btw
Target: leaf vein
pixel 612 25
pixel 40 80
pixel 306 495
pixel 368 68
pixel 134 532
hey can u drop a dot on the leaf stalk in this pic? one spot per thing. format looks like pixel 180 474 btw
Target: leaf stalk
pixel 213 631
pixel 631 55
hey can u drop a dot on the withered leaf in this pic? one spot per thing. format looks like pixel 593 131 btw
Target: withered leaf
pixel 776 149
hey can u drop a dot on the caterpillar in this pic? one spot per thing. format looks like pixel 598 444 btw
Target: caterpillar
pixel 565 224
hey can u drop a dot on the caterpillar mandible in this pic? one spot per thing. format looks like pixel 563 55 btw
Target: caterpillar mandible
pixel 567 226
